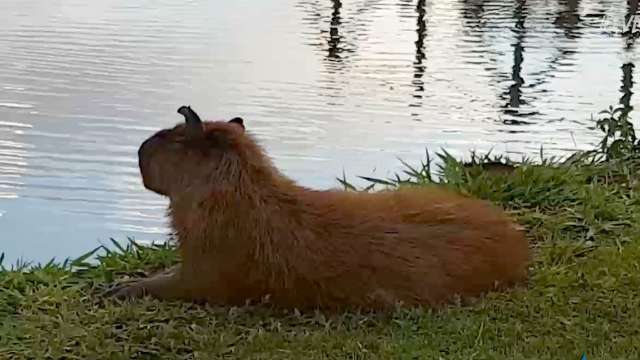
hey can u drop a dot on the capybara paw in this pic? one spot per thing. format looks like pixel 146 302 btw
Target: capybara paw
pixel 126 291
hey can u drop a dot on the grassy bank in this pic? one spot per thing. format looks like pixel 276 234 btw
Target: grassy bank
pixel 582 216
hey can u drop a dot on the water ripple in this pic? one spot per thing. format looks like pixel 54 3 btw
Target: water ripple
pixel 325 86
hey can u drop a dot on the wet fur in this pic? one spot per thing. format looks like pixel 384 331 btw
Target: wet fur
pixel 246 232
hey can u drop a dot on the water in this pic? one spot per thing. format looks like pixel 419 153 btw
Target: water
pixel 326 86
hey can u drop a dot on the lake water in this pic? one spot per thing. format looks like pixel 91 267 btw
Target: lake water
pixel 326 86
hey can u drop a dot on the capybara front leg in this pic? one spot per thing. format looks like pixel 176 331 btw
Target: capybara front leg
pixel 166 285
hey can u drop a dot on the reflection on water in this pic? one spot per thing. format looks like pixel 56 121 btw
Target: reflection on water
pixel 334 33
pixel 627 85
pixel 420 57
pixel 325 85
pixel 515 90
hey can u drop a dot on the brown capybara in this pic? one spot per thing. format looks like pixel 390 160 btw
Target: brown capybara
pixel 248 233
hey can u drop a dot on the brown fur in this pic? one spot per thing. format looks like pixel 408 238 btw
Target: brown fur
pixel 247 232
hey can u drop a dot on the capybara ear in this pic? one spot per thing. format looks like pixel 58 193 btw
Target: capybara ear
pixel 238 121
pixel 194 127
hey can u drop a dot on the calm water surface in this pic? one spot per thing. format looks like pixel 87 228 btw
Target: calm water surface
pixel 326 86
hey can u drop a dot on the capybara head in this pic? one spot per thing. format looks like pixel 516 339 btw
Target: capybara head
pixel 190 154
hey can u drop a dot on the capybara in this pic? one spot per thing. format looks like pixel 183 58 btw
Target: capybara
pixel 247 233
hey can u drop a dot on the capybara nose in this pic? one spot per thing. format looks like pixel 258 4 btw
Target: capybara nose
pixel 144 147
pixel 145 153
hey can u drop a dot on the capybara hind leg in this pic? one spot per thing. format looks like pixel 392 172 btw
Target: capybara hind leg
pixel 166 285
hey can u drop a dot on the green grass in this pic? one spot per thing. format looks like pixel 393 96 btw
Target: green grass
pixel 579 300
pixel 582 216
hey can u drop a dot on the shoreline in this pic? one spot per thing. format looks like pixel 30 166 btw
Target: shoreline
pixel 582 216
